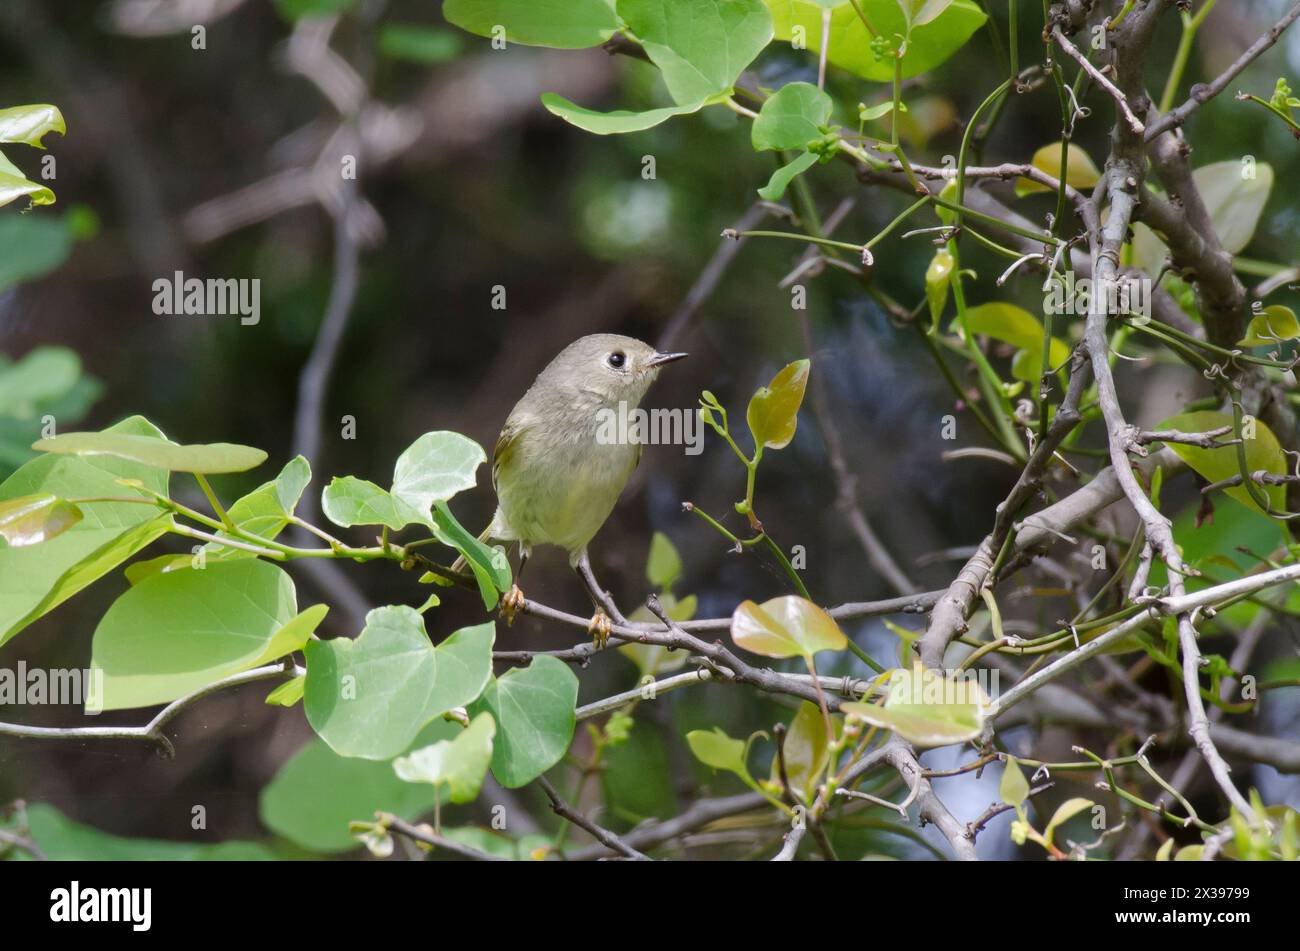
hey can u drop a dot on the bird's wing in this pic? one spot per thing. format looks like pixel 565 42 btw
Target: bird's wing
pixel 501 451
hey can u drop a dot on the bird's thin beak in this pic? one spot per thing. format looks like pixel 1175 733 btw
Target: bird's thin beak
pixel 659 359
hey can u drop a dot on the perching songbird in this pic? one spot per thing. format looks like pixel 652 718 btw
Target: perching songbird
pixel 556 482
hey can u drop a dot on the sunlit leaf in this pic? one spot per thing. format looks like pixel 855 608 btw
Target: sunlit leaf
pixel 664 564
pixel 1080 172
pixel 1014 788
pixel 30 124
pixel 160 453
pixel 788 626
pixel 1064 813
pixel 1021 329
pixel 805 751
pixel 773 412
pixel 35 580
pixel 1270 325
pixel 32 519
pixel 369 697
pixel 851 48
pixel 937 278
pixel 460 764
pixel 714 748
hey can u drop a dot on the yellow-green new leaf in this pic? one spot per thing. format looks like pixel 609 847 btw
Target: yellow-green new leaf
pixel 30 124
pixel 1271 325
pixel 1080 171
pixel 1014 788
pixel 1064 813
pixel 1262 452
pixel 714 748
pixel 1021 329
pixel 32 519
pixel 926 708
pixel 460 764
pixel 773 412
pixel 804 751
pixel 788 626
pixel 937 278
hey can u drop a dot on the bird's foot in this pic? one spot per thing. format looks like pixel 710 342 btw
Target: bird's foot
pixel 512 602
pixel 599 629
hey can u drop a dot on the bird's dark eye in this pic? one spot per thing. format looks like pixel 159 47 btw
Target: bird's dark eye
pixel 616 359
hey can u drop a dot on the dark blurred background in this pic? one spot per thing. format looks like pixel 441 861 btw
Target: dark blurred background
pixel 201 160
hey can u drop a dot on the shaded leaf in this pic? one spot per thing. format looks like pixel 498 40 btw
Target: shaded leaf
pixel 791 118
pixel 775 188
pixel 561 24
pixel 317 793
pixel 617 122
pixel 490 567
pixel 1262 452
pixel 926 708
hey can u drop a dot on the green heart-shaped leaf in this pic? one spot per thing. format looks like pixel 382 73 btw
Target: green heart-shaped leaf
pixel 369 697
pixel 534 711
pixel 791 118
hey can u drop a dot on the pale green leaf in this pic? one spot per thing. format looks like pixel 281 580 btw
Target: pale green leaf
pixel 788 626
pixel 160 453
pixel 460 763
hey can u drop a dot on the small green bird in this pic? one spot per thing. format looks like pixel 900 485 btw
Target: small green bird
pixel 556 481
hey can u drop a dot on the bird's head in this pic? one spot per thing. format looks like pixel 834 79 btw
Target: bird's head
pixel 610 367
